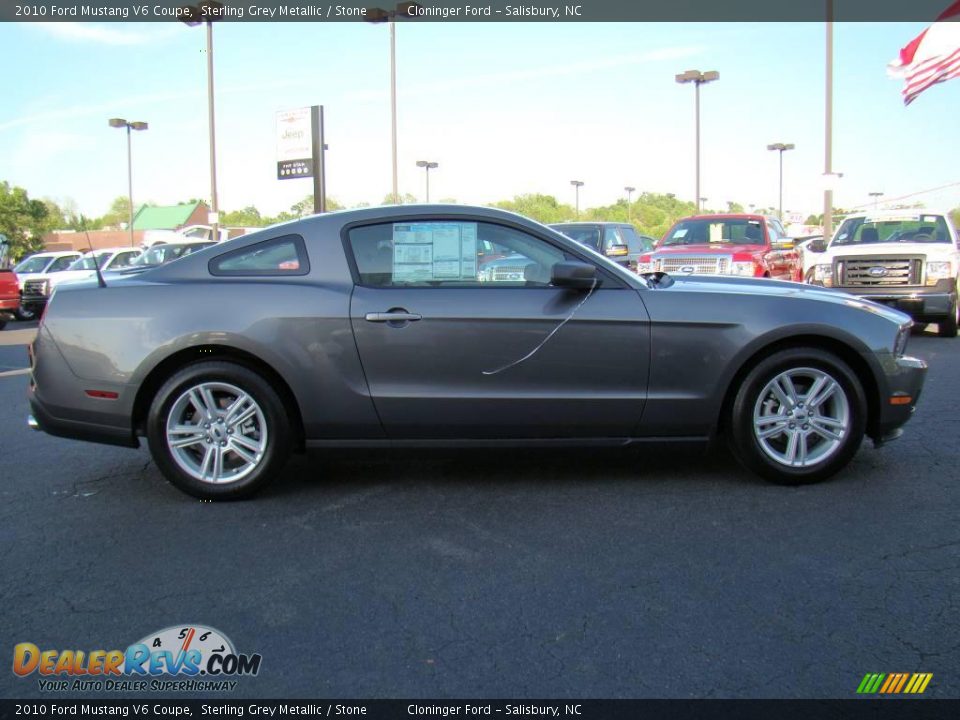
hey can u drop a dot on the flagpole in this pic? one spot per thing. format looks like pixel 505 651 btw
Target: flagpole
pixel 828 131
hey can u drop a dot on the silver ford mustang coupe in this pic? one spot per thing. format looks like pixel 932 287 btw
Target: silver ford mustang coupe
pixel 380 327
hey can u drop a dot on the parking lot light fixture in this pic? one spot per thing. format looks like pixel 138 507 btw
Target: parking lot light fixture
pixel 379 15
pixel 629 193
pixel 876 198
pixel 577 184
pixel 135 125
pixel 194 16
pixel 697 78
pixel 427 166
pixel 781 148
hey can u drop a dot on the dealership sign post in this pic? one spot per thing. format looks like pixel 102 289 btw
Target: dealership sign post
pixel 300 150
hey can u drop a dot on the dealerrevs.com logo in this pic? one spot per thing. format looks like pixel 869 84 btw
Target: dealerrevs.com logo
pixel 178 658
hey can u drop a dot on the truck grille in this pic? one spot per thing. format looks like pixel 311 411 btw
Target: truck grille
pixel 508 273
pixel 34 289
pixel 701 264
pixel 880 271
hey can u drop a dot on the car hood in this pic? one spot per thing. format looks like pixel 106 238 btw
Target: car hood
pixel 894 248
pixel 763 287
pixel 708 249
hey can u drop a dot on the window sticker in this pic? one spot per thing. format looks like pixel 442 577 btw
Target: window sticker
pixel 434 251
pixel 680 232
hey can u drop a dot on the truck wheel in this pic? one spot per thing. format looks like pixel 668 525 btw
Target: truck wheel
pixel 25 314
pixel 217 430
pixel 947 328
pixel 798 417
pixel 3 323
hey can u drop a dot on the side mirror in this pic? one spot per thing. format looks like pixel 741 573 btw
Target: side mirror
pixel 617 251
pixel 784 244
pixel 818 246
pixel 573 274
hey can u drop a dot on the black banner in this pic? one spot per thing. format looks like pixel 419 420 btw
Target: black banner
pixel 456 11
pixel 892 709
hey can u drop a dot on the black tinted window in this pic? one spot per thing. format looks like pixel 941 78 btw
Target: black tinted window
pixel 280 256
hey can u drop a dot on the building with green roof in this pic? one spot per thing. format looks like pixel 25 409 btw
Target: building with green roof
pixel 170 217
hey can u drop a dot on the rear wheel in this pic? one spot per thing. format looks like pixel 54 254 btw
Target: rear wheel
pixel 217 430
pixel 25 314
pixel 798 417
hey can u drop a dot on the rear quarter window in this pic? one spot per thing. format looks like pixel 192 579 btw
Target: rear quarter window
pixel 284 255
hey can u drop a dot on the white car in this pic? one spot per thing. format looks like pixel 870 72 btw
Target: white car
pixel 41 264
pixel 907 259
pixel 37 289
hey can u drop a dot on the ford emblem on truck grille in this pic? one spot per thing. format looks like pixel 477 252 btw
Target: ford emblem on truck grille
pixel 688 269
pixel 877 272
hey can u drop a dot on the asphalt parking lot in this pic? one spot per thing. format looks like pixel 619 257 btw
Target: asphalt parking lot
pixel 525 574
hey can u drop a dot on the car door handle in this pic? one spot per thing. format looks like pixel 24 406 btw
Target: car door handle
pixel 393 316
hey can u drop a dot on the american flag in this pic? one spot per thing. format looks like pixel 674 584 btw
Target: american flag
pixel 931 57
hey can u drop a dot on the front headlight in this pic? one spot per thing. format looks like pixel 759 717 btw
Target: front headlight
pixel 823 274
pixel 741 267
pixel 900 345
pixel 938 270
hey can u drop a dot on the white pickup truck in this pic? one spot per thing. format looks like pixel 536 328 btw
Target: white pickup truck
pixel 908 259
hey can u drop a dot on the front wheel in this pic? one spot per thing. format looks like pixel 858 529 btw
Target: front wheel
pixel 798 417
pixel 24 314
pixel 218 430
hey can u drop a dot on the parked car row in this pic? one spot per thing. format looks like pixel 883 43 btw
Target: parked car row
pixel 39 274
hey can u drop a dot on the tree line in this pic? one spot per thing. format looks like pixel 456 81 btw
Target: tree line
pixel 25 221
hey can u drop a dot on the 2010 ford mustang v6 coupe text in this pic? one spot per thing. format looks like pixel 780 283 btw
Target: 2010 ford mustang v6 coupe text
pixel 381 327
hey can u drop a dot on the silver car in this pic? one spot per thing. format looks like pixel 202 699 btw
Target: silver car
pixel 373 328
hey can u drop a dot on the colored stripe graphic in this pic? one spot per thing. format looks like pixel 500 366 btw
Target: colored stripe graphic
pixel 894 683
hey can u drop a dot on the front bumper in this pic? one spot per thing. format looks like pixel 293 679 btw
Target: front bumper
pixel 923 303
pixel 904 380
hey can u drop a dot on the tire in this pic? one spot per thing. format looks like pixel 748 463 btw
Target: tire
pixel 826 439
pixel 947 328
pixel 25 315
pixel 207 391
pixel 3 323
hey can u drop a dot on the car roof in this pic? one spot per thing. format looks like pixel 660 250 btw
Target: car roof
pixel 113 250
pixel 885 213
pixel 57 253
pixel 729 216
pixel 588 223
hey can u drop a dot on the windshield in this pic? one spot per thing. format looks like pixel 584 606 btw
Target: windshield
pixel 162 254
pixel 906 229
pixel 33 264
pixel 86 263
pixel 740 231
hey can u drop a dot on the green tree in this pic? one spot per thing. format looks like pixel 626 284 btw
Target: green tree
pixel 542 208
pixel 22 220
pixel 305 206
pixel 404 199
pixel 118 213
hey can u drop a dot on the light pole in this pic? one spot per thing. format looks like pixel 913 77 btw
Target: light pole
pixel 703 205
pixel 697 78
pixel 876 198
pixel 577 184
pixel 781 147
pixel 136 125
pixel 378 15
pixel 194 17
pixel 427 166
pixel 629 193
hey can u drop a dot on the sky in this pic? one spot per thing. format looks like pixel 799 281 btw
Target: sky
pixel 504 108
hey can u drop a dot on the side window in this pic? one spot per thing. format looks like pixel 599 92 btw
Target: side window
pixel 611 237
pixel 634 244
pixel 123 259
pixel 772 231
pixel 450 254
pixel 61 263
pixel 279 256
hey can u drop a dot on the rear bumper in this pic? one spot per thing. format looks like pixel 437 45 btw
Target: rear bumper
pixel 42 419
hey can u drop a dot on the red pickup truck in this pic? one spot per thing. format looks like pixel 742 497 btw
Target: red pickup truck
pixel 9 287
pixel 747 245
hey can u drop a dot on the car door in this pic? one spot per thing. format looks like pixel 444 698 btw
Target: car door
pixel 453 351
